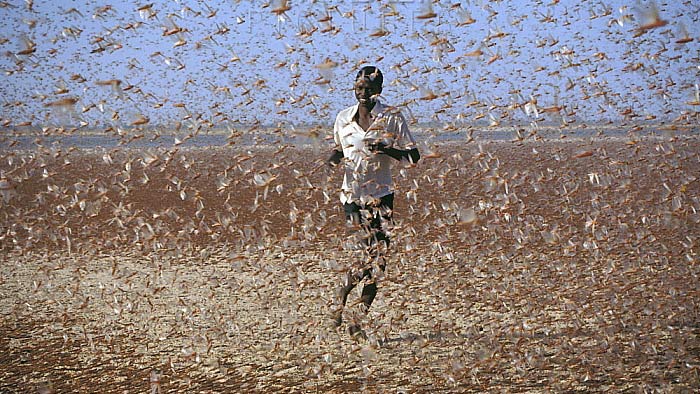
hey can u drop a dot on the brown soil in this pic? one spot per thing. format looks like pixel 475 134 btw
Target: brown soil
pixel 564 266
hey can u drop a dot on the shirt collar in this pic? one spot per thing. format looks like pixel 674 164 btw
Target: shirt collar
pixel 376 110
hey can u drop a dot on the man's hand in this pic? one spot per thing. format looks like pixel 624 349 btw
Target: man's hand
pixel 377 147
pixel 335 158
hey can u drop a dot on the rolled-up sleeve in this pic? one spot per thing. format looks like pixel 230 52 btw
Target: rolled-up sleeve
pixel 336 132
pixel 404 138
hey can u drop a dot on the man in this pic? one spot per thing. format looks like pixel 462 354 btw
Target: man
pixel 369 136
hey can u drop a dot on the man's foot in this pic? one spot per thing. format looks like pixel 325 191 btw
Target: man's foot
pixel 337 317
pixel 356 332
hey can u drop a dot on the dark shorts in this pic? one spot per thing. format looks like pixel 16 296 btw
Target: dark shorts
pixel 372 217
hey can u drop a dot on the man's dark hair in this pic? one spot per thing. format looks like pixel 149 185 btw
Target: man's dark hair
pixel 372 74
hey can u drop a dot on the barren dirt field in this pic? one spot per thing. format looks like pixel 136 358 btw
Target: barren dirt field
pixel 541 266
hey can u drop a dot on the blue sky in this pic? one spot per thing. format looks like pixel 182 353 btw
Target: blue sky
pixel 279 63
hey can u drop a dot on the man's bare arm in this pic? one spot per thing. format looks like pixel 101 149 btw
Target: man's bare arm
pixel 411 155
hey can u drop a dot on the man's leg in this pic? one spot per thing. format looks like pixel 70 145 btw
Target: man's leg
pixel 353 218
pixel 342 298
pixel 369 291
pixel 379 244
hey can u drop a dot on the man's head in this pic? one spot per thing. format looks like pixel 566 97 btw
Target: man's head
pixel 368 84
pixel 372 74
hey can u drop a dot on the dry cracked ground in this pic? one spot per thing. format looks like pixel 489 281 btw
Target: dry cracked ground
pixel 541 266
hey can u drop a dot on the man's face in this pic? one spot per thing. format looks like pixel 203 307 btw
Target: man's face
pixel 366 91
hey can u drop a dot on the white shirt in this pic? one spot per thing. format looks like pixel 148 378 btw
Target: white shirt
pixel 368 174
